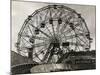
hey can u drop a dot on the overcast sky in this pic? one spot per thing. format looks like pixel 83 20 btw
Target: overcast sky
pixel 20 11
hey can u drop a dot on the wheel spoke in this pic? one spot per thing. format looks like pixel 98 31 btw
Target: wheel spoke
pixel 36 37
pixel 52 23
pixel 82 41
pixel 79 29
pixel 56 13
pixel 40 30
pixel 46 14
pixel 49 31
pixel 40 38
pixel 77 44
pixel 27 41
pixel 30 29
pixel 63 28
pixel 68 31
pixel 47 53
pixel 57 28
pixel 59 10
pixel 23 48
pixel 23 43
pixel 40 44
pixel 39 52
pixel 53 30
pixel 73 36
pixel 58 25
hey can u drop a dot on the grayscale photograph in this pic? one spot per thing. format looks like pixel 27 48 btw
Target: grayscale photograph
pixel 52 37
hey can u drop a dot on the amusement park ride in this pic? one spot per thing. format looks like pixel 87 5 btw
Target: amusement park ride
pixel 50 35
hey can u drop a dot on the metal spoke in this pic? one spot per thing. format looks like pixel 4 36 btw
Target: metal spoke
pixel 39 52
pixel 40 44
pixel 58 25
pixel 79 29
pixel 63 28
pixel 69 30
pixel 82 41
pixel 37 20
pixel 23 48
pixel 78 48
pixel 30 29
pixel 82 26
pixel 46 14
pixel 47 53
pixel 50 13
pixel 36 37
pixel 59 10
pixel 26 41
pixel 78 43
pixel 23 33
pixel 49 31
pixel 40 17
pixel 37 56
pixel 40 30
pixel 40 38
pixel 50 56
pixel 53 30
pixel 28 36
pixel 72 43
pixel 23 43
pixel 45 56
pixel 23 51
pixel 52 24
pixel 73 36
pixel 57 28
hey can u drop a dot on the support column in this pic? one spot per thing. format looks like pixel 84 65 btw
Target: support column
pixel 30 55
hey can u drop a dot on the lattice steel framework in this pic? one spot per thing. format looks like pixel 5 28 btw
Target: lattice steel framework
pixel 51 32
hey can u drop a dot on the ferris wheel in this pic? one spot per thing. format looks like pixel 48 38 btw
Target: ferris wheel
pixel 51 32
